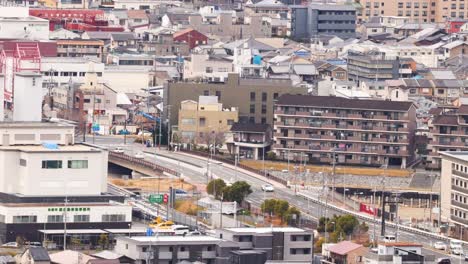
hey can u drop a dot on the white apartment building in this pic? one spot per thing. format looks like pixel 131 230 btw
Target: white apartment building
pixel 64 70
pixel 454 192
pixel 16 23
pixel 207 67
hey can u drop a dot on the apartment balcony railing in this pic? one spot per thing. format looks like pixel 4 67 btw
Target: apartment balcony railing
pixel 459 173
pixel 459 219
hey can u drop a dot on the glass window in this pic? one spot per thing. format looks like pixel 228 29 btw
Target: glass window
pixel 24 219
pixel 264 109
pixel 51 164
pixel 252 109
pixel 54 218
pixel 113 218
pixel 252 96
pixel 77 164
pixel 81 218
pixel 188 121
pixel 264 97
pixel 23 162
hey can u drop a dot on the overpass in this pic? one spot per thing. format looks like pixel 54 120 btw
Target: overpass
pixel 142 166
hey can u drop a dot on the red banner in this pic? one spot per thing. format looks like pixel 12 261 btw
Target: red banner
pixel 368 209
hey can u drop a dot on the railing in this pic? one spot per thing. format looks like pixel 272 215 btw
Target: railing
pixel 141 162
pixel 459 204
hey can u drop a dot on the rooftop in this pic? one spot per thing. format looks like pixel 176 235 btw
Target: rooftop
pixel 460 155
pixel 339 102
pixel 40 148
pixel 265 229
pixel 344 247
pixel 171 239
pixel 249 127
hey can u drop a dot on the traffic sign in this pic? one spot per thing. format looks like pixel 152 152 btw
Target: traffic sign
pixel 166 198
pixel 156 198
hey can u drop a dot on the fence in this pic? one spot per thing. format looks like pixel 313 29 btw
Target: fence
pixel 140 162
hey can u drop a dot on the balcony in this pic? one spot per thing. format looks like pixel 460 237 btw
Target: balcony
pixel 208 254
pixel 328 126
pixel 459 220
pixel 354 138
pixel 342 126
pixel 328 137
pixel 379 140
pixel 381 117
pixel 354 127
pixel 303 113
pixel 367 127
pixel 459 173
pixel 326 160
pixel 354 116
pixel 315 147
pixel 165 255
pixel 329 114
pixel 183 255
pixel 460 189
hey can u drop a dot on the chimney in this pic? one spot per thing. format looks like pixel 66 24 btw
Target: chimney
pixel 27 97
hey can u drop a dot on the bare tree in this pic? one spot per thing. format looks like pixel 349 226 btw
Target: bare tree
pixel 214 138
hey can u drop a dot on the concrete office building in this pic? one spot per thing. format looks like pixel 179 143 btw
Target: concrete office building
pixel 454 192
pixel 372 66
pixel 253 97
pixel 196 119
pixel 308 22
pixel 430 11
pixel 360 132
pixel 50 168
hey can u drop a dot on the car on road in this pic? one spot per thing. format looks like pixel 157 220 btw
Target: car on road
pixel 180 230
pixel 195 233
pixel 10 244
pixel 140 155
pixel 119 150
pixel 466 257
pixel 443 261
pixel 268 188
pixel 456 251
pixel 440 245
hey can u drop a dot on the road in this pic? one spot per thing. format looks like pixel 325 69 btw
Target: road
pixel 195 168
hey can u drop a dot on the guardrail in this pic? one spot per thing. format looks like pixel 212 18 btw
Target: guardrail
pixel 141 162
pixel 231 162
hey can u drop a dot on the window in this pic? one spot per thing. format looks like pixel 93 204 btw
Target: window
pixel 252 109
pixel 209 70
pixel 218 93
pixel 113 218
pixel 54 218
pixel 77 164
pixel 206 93
pixel 188 121
pixel 264 109
pixel 25 219
pixel 275 96
pixel 264 97
pixel 202 121
pixel 81 218
pixel 51 164
pixel 33 81
pixel 230 122
pixel 87 100
pixel 252 120
pixel 263 120
pixel 252 96
pixel 23 163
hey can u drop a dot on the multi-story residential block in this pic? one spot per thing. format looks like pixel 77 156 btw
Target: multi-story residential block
pixel 250 141
pixel 197 119
pixel 213 68
pixel 253 97
pixel 447 132
pixel 59 71
pixel 454 192
pixel 365 132
pixel 308 22
pixel 372 66
pixel 80 48
pixel 288 244
pixel 437 11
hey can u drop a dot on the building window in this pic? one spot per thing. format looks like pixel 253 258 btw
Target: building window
pixel 206 93
pixel 252 96
pixel 263 120
pixel 264 109
pixel 264 97
pixel 218 93
pixel 25 219
pixel 275 96
pixel 252 120
pixel 51 164
pixel 202 121
pixel 54 218
pixel 188 121
pixel 209 70
pixel 252 109
pixel 77 164
pixel 23 163
pixel 113 218
pixel 82 218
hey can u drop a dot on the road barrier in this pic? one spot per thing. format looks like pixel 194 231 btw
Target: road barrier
pixel 140 162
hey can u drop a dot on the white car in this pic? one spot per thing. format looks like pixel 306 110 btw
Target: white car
pixel 457 251
pixel 268 188
pixel 440 245
pixel 119 150
pixel 10 244
pixel 140 155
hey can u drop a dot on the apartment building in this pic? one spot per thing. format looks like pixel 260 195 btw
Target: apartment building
pixel 424 11
pixel 372 66
pixel 253 97
pixel 310 21
pixel 207 115
pixel 454 192
pixel 80 48
pixel 250 141
pixel 447 132
pixel 364 132
pixel 211 67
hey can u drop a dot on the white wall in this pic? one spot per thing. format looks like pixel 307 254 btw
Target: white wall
pixel 127 80
pixel 28 97
pixel 17 24
pixel 69 65
pixel 446 189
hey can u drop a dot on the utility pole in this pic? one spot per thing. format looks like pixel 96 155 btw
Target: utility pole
pixel 125 131
pixel 65 223
pixel 334 175
pixel 168 127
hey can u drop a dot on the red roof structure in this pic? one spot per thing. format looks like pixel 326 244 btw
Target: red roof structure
pixel 191 36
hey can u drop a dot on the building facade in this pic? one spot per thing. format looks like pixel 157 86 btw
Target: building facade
pixel 253 97
pixel 372 66
pixel 80 48
pixel 308 22
pixel 364 132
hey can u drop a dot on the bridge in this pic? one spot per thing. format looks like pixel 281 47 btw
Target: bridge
pixel 142 166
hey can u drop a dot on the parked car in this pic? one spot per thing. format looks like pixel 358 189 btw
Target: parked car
pixel 180 230
pixel 457 251
pixel 268 188
pixel 440 245
pixel 443 261
pixel 124 132
pixel 10 244
pixel 140 155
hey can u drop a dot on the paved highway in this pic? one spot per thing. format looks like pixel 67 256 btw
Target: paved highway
pixel 195 168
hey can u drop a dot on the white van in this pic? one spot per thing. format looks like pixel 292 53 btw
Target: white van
pixel 455 244
pixel 180 230
pixel 389 238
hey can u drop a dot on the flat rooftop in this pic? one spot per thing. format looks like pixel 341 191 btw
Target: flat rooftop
pixel 461 155
pixel 44 124
pixel 265 229
pixel 40 148
pixel 173 239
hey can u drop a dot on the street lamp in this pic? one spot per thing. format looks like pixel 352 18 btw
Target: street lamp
pixel 344 197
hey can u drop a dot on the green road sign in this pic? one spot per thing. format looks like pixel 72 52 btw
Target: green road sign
pixel 156 198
